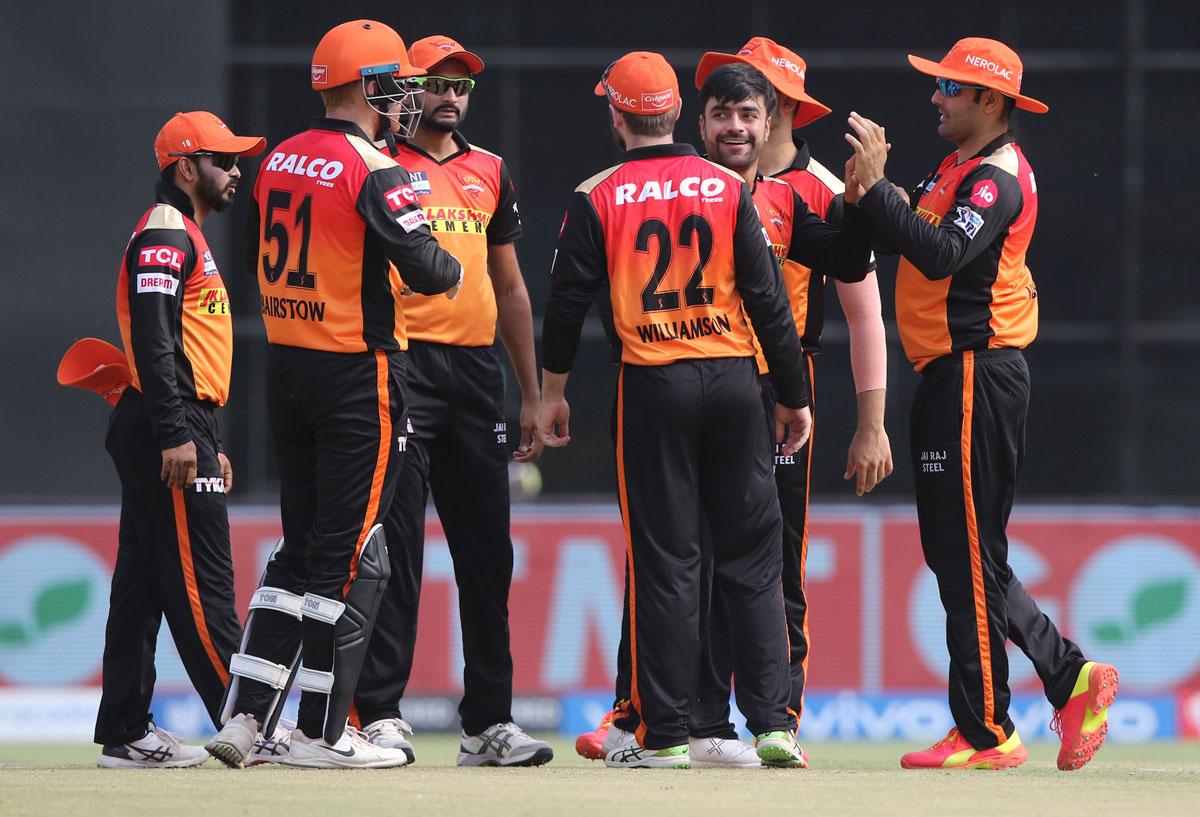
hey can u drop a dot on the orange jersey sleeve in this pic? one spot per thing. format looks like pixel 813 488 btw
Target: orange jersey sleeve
pixel 963 282
pixel 469 203
pixel 331 218
pixel 173 315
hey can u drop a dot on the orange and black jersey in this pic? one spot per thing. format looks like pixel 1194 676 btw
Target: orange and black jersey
pixel 678 241
pixel 173 313
pixel 822 192
pixel 329 214
pixel 798 235
pixel 962 282
pixel 470 204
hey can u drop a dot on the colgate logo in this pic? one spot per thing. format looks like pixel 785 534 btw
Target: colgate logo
pixel 988 65
pixel 320 74
pixel 788 65
pixel 658 99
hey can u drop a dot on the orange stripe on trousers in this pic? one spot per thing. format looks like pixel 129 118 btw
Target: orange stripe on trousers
pixel 812 387
pixel 981 613
pixel 189 582
pixel 624 498
pixel 381 462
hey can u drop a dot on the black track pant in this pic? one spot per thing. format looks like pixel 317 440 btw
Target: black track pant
pixel 173 559
pixel 710 709
pixel 968 443
pixel 692 451
pixel 338 421
pixel 458 447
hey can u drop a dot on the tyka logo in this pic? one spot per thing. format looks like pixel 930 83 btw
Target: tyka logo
pixel 209 485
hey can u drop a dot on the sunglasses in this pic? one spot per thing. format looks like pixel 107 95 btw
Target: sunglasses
pixel 221 161
pixel 442 85
pixel 604 76
pixel 948 87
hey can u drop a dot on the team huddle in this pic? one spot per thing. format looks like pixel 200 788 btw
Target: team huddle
pixel 383 244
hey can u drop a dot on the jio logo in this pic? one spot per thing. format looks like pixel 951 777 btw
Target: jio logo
pixel 1136 604
pixel 53 606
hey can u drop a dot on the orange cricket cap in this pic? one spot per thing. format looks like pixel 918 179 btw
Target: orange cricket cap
pixel 979 61
pixel 95 365
pixel 201 131
pixel 356 49
pixel 429 51
pixel 784 69
pixel 642 83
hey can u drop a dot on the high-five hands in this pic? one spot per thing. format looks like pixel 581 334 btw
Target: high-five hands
pixel 865 167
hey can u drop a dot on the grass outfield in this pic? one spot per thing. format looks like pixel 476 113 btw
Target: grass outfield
pixel 853 779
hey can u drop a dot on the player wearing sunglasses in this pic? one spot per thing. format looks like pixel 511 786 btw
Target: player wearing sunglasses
pixel 966 305
pixel 457 447
pixel 173 554
pixel 333 227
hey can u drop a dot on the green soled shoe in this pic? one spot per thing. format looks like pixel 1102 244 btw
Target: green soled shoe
pixel 638 757
pixel 781 749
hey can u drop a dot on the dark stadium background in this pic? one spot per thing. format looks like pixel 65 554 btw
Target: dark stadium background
pixel 1115 385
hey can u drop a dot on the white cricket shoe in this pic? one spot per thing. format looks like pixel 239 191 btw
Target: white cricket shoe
pixel 157 749
pixel 273 749
pixel 636 756
pixel 503 744
pixel 390 734
pixel 781 749
pixel 233 743
pixel 722 753
pixel 617 738
pixel 352 751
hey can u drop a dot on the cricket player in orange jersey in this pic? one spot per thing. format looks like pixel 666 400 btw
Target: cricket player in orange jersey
pixel 966 305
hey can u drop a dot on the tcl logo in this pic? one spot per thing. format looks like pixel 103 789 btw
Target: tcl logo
pixel 401 196
pixel 691 187
pixel 988 65
pixel 161 257
pixel 320 74
pixel 984 193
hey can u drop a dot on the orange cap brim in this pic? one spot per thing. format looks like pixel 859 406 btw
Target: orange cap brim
pixel 96 366
pixel 809 110
pixel 241 145
pixel 936 69
pixel 473 62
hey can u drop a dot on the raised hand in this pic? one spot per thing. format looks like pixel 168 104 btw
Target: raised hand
pixel 870 149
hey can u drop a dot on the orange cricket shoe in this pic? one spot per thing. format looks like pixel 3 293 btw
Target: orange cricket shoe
pixel 591 744
pixel 953 752
pixel 1083 722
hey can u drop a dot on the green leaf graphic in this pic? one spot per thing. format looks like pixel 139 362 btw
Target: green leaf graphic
pixel 1109 632
pixel 12 634
pixel 1158 602
pixel 61 603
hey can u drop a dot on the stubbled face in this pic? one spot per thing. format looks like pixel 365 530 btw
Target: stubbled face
pixel 959 117
pixel 216 187
pixel 445 112
pixel 734 132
